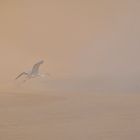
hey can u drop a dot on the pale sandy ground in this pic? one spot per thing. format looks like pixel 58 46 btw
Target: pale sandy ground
pixel 69 116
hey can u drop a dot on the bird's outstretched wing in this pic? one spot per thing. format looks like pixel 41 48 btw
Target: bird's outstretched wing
pixel 36 66
pixel 23 73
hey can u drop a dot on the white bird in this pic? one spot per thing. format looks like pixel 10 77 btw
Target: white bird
pixel 32 73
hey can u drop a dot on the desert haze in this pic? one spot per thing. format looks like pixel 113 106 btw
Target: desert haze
pixel 62 116
pixel 91 50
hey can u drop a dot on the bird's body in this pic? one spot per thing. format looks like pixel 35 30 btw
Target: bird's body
pixel 32 73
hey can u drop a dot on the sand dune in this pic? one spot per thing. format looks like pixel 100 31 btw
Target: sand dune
pixel 69 116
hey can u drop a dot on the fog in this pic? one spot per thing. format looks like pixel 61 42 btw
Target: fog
pixel 86 44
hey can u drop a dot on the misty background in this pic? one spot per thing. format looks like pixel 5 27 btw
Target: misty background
pixel 86 45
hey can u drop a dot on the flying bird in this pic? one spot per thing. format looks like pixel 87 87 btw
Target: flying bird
pixel 33 73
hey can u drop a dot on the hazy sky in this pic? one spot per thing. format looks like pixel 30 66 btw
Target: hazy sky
pixel 76 38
